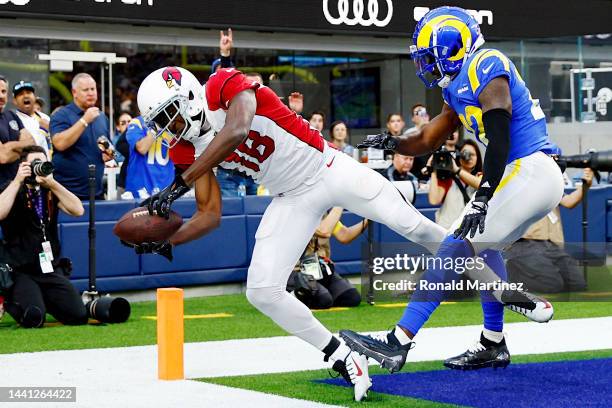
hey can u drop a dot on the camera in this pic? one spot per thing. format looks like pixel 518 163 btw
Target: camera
pixel 596 161
pixel 442 163
pixel 105 146
pixel 42 168
pixel 107 309
pixel 465 155
pixel 39 168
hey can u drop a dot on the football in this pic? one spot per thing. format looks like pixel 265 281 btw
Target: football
pixel 137 226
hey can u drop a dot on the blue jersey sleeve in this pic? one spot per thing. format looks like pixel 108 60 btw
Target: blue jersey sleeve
pixel 135 132
pixel 488 65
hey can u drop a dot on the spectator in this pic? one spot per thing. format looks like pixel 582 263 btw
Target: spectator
pixel 317 120
pixel 451 142
pixel 39 105
pixel 538 259
pixel 226 42
pixel 75 130
pixel 339 134
pixel 296 102
pixel 121 125
pixel 123 148
pixel 232 183
pixel 331 289
pixel 400 168
pixel 420 117
pixel 28 215
pixel 455 191
pixel 150 168
pixel 13 137
pixel 399 172
pixel 254 76
pixel 395 124
pixel 37 123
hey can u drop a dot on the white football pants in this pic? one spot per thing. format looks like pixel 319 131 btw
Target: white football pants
pixel 290 221
pixel 532 187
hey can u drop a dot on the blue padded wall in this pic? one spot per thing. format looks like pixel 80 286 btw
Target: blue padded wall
pixel 112 258
pixel 223 248
pixel 223 255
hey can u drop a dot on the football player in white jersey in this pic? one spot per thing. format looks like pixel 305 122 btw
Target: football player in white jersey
pixel 239 124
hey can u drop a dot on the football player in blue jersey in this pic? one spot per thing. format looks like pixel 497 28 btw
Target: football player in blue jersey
pixel 521 183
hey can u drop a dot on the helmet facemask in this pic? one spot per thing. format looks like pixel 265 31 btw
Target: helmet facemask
pixel 161 120
pixel 426 63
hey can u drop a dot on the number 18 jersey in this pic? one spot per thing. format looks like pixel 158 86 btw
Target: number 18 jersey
pixel 281 151
pixel 528 132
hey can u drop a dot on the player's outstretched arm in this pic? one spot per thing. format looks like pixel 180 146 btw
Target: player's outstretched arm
pixel 237 125
pixel 431 136
pixel 208 213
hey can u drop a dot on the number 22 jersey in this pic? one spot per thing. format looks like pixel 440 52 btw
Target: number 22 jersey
pixel 528 132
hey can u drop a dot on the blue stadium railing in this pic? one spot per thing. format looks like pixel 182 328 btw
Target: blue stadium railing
pixel 223 256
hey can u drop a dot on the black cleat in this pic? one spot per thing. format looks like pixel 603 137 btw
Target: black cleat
pixel 484 353
pixel 384 349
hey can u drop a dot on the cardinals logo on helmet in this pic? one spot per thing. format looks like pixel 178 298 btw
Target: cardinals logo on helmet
pixel 171 75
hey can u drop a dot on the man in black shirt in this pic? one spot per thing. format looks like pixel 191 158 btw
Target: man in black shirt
pixel 28 215
pixel 13 137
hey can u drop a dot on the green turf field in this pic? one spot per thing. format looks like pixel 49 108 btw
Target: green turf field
pixel 301 384
pixel 246 322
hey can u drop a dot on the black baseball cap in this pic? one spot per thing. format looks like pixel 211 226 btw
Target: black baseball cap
pixel 22 86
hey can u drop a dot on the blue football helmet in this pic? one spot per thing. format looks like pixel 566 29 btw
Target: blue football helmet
pixel 443 40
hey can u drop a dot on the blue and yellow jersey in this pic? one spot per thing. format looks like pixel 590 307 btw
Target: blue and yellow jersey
pixel 152 171
pixel 528 132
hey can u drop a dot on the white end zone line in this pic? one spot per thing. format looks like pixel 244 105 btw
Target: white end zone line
pixel 127 376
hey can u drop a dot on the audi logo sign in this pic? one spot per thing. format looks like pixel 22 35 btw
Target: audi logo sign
pixel 360 15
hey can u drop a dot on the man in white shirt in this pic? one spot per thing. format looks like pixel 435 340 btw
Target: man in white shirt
pixel 37 123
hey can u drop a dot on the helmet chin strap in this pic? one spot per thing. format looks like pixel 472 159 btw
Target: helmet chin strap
pixel 444 82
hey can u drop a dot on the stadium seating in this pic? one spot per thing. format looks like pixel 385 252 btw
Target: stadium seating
pixel 223 256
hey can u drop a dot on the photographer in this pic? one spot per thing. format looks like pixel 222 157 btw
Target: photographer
pixel 538 259
pixel 28 215
pixel 453 184
pixel 314 279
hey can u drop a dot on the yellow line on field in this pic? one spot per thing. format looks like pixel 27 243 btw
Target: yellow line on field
pixel 199 316
pixel 331 309
pixel 398 305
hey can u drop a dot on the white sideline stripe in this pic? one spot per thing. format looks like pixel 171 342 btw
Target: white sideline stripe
pixel 127 376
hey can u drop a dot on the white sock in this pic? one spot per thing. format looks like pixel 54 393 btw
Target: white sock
pixel 341 352
pixel 401 336
pixel 493 335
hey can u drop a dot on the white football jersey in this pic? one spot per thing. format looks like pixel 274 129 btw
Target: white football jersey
pixel 282 150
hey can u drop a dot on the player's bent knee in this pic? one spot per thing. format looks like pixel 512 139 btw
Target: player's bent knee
pixel 264 298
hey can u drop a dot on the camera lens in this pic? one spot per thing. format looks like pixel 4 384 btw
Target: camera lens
pixel 42 168
pixel 108 309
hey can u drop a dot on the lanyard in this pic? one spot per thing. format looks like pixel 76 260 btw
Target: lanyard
pixel 35 199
